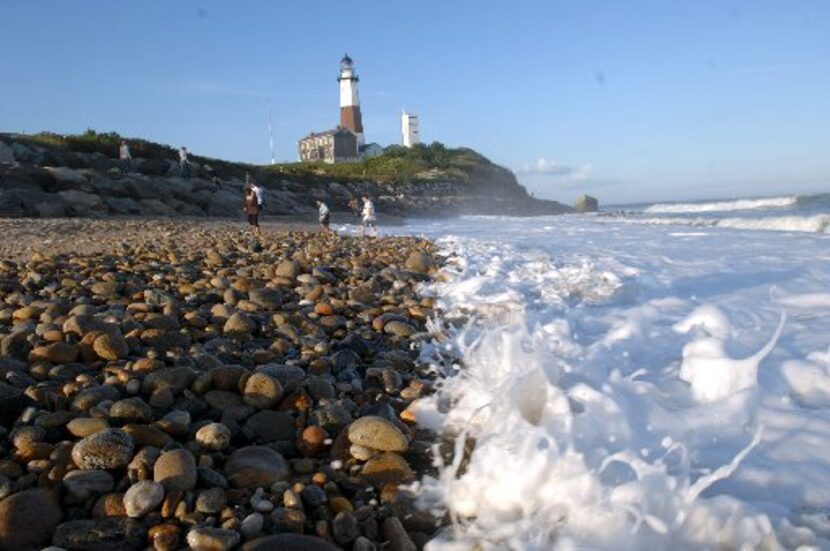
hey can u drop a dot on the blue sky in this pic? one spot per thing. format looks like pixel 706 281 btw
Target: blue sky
pixel 628 101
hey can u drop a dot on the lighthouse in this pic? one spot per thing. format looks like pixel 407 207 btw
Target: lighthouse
pixel 410 129
pixel 349 102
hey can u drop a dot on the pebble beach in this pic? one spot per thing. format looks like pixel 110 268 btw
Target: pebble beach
pixel 171 384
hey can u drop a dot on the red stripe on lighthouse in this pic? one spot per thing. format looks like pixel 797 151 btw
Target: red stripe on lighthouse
pixel 350 118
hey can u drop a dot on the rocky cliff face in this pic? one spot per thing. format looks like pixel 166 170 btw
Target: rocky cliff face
pixel 41 182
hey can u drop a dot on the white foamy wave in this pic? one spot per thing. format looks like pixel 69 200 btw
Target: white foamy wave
pixel 819 223
pixel 621 391
pixel 722 206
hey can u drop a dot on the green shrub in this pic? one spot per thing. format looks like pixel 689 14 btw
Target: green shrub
pixel 398 164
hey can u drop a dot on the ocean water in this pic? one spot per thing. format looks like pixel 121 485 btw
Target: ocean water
pixel 807 213
pixel 656 378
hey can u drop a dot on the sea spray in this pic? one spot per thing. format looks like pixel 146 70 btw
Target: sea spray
pixel 574 427
pixel 709 370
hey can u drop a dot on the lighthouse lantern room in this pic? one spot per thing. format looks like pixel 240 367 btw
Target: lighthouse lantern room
pixel 349 102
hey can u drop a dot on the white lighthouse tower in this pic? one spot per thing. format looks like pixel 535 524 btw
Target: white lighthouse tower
pixel 410 129
pixel 349 102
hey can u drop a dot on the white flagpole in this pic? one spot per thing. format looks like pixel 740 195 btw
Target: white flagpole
pixel 271 134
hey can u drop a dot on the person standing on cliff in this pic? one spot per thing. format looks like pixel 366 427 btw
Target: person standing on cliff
pixel 251 208
pixel 184 163
pixel 124 155
pixel 369 218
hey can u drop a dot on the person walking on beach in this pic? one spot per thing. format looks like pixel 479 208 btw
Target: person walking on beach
pixel 369 219
pixel 184 163
pixel 124 155
pixel 323 215
pixel 251 208
pixel 354 205
pixel 258 191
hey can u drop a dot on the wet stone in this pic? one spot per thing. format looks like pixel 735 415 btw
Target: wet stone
pixel 214 436
pixel 255 467
pixel 106 449
pixel 378 434
pixel 132 409
pixel 28 518
pixel 387 468
pixel 204 538
pixel 143 497
pixel 345 528
pixel 210 501
pixel 82 484
pixel 271 426
pixel 262 391
pixel 111 347
pixel 175 470
pixel 105 534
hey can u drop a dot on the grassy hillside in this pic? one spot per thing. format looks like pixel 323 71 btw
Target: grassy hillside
pixel 422 163
pixel 107 143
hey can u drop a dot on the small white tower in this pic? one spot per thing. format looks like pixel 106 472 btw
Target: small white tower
pixel 410 129
pixel 349 102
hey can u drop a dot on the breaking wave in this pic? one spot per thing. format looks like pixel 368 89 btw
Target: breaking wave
pixel 819 223
pixel 723 206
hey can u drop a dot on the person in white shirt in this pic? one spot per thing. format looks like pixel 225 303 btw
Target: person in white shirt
pixel 369 219
pixel 323 212
pixel 184 164
pixel 124 155
pixel 258 192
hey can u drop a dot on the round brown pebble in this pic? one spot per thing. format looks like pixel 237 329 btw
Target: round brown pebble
pixel 175 470
pixel 313 440
pixel 28 518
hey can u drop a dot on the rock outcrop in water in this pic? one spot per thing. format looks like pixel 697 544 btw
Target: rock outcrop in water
pixel 38 180
pixel 586 203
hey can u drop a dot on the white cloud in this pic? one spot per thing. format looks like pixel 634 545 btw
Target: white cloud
pixel 561 171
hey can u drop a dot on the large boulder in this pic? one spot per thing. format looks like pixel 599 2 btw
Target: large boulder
pixel 6 154
pixel 155 207
pixel 180 188
pixel 82 203
pixel 107 187
pixel 185 207
pixel 142 188
pixel 99 161
pixel 122 205
pixel 67 178
pixel 154 167
pixel 224 203
pixel 280 202
pixel 19 176
pixel 586 203
pixel 22 153
pixel 201 184
pixel 31 203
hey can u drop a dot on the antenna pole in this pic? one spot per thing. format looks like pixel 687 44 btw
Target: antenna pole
pixel 271 134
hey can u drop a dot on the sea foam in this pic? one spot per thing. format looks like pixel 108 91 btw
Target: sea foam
pixel 622 388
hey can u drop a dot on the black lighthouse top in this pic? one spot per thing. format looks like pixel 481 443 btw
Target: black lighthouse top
pixel 347 71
